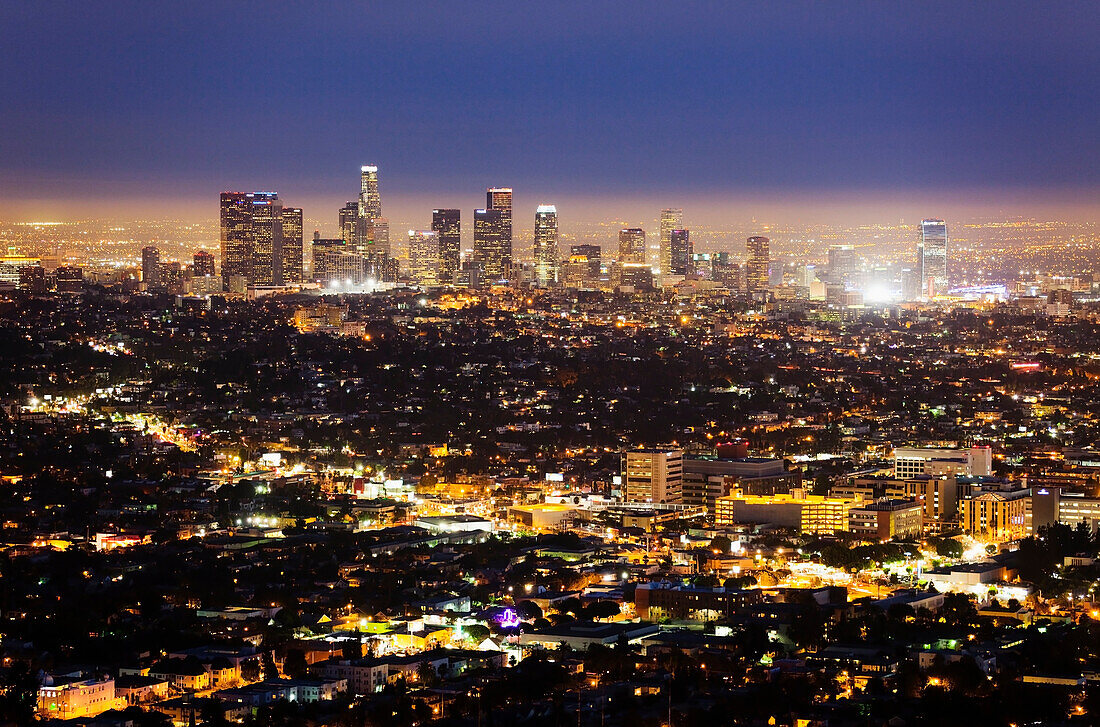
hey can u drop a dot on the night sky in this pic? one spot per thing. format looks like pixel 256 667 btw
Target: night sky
pixel 169 103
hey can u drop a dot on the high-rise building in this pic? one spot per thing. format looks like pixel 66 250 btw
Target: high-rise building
pixel 546 244
pixel 933 258
pixel 32 279
pixel 349 222
pixel 236 238
pixel 292 245
pixel 69 279
pixel 653 475
pixel 842 263
pixel 424 256
pixel 323 263
pixel 756 273
pixel 583 266
pixel 671 219
pixel 680 253
pixel 631 245
pixel 378 237
pixel 150 268
pixel 202 264
pixel 447 225
pixel 500 198
pixel 492 248
pixel 267 238
pixel 370 201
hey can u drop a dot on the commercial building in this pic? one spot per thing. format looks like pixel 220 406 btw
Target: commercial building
pixel 292 245
pixel 583 268
pixel 150 268
pixel 928 462
pixel 660 600
pixel 756 275
pixel 671 219
pixel 653 475
pixel 543 516
pixel 932 255
pixel 708 478
pixel 76 699
pixel 997 514
pixel 680 253
pixel 447 225
pixel 492 245
pixel 546 244
pixel 500 199
pixel 809 514
pixel 202 264
pixel 370 200
pixel 424 256
pixel 632 245
pixel 887 519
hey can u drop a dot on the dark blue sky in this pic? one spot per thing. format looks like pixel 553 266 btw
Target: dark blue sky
pixel 173 102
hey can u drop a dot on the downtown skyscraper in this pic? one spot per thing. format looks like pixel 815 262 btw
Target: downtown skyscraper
pixel 680 253
pixel 447 225
pixel 492 246
pixel 756 273
pixel 292 245
pixel 546 244
pixel 251 239
pixel 370 201
pixel 671 219
pixel 424 256
pixel 933 258
pixel 500 198
pixel 632 245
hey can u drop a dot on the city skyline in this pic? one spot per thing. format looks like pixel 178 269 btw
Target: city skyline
pixel 835 124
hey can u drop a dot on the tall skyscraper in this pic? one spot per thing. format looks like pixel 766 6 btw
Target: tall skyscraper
pixel 631 245
pixel 671 219
pixel 370 201
pixel 492 247
pixel 933 258
pixel 349 222
pixel 500 198
pixel 292 245
pixel 424 256
pixel 583 267
pixel 546 244
pixel 150 268
pixel 756 274
pixel 202 264
pixel 236 238
pixel 447 224
pixel 267 238
pixel 680 253
pixel 842 263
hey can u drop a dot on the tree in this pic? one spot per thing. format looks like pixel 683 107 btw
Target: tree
pixel 528 610
pixel 949 548
pixel 721 544
pixel 352 648
pixel 426 674
pixel 602 609
pixel 295 665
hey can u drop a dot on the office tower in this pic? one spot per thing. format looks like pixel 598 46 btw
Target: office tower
pixel 653 475
pixel 491 247
pixel 910 284
pixel 202 263
pixel 292 245
pixel 933 258
pixel 447 225
pixel 377 237
pixel 546 244
pixel 671 219
pixel 500 198
pixel 680 253
pixel 32 279
pixel 631 245
pixel 424 256
pixel 267 238
pixel 370 201
pixel 322 249
pixel 583 267
pixel 842 263
pixel 69 279
pixel 150 267
pixel 236 238
pixel 756 274
pixel 349 222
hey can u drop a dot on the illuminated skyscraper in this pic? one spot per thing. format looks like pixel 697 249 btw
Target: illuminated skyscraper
pixel 370 201
pixel 236 238
pixel 500 198
pixel 492 249
pixel 933 258
pixel 423 256
pixel 292 245
pixel 631 245
pixel 202 264
pixel 756 274
pixel 349 222
pixel 546 244
pixel 267 238
pixel 446 223
pixel 680 253
pixel 842 263
pixel 671 219
pixel 150 267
